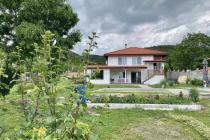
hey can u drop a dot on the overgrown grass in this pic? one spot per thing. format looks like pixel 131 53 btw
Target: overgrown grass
pixel 135 124
pixel 121 124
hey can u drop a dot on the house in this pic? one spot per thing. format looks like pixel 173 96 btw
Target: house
pixel 131 65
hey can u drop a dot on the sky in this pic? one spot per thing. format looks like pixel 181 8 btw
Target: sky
pixel 139 23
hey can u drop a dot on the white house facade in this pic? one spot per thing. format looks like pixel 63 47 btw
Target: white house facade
pixel 128 66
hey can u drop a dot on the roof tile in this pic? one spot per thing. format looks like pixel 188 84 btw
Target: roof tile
pixel 136 51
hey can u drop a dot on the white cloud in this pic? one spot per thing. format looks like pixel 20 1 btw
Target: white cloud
pixel 140 23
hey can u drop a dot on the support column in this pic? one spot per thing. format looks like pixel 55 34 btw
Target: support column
pixel 125 76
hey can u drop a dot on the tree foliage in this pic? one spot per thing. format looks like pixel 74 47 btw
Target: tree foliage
pixel 190 53
pixel 23 21
pixel 42 106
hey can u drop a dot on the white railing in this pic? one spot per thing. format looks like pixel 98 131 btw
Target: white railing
pixel 119 80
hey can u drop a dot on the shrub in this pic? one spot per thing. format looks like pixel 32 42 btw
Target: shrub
pixel 143 100
pixel 105 99
pixel 181 95
pixel 196 82
pixel 157 97
pixel 131 99
pixel 188 80
pixel 163 83
pixel 171 83
pixel 194 95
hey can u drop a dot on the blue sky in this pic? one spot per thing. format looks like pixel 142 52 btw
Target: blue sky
pixel 140 23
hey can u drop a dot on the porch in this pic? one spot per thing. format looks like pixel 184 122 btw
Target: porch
pixel 125 76
pixel 122 75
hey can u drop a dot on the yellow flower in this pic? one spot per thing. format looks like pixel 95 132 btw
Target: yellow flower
pixel 41 132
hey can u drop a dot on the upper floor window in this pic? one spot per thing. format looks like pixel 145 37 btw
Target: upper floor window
pixel 122 60
pixel 136 60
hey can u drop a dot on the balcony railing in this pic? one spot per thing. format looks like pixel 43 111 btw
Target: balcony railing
pixel 119 80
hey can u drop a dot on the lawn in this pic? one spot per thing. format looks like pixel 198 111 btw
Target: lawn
pixel 139 124
pixel 181 86
pixel 124 124
pixel 100 86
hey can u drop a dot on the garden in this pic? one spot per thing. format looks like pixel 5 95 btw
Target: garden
pixel 39 102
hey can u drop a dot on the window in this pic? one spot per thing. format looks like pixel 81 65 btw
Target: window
pixel 122 75
pixel 122 60
pixel 97 74
pixel 136 60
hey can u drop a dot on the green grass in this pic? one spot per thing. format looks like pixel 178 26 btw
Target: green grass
pixel 126 92
pixel 140 124
pixel 124 124
pixel 115 86
pixel 174 86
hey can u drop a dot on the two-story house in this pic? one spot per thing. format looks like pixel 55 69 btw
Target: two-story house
pixel 129 65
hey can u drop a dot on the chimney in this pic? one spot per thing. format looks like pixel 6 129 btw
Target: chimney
pixel 126 45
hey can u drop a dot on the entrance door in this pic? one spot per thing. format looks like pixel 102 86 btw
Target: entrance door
pixel 135 77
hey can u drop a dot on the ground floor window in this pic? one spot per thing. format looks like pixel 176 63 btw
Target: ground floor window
pixel 122 75
pixel 97 74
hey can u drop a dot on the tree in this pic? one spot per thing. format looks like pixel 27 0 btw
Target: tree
pixel 190 53
pixel 44 110
pixel 23 21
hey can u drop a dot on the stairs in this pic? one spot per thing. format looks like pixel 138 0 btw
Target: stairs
pixel 156 79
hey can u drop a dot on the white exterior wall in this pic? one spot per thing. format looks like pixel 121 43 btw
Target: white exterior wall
pixel 144 75
pixel 105 80
pixel 113 60
pixel 149 66
pixel 115 74
pixel 147 57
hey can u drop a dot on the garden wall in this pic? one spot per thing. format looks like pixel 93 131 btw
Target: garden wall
pixel 192 107
pixel 198 74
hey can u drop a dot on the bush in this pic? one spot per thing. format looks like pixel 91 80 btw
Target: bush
pixel 105 99
pixel 196 82
pixel 163 83
pixel 143 100
pixel 194 95
pixel 188 80
pixel 171 83
pixel 157 97
pixel 181 95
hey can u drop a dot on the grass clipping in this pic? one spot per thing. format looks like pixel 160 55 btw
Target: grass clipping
pixel 198 126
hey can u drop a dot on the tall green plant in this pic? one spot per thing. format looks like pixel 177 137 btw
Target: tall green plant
pixel 23 21
pixel 47 115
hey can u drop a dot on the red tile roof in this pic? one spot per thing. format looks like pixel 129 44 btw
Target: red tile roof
pixel 136 51
pixel 113 67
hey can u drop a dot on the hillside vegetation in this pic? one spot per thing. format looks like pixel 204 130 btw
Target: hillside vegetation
pixel 165 48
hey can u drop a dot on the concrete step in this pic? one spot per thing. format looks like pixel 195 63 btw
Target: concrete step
pixel 155 80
